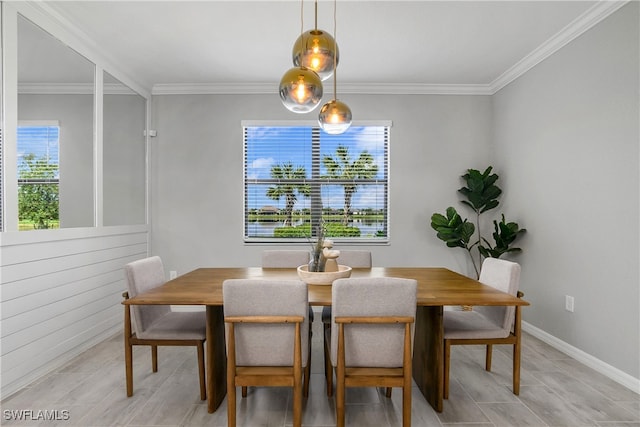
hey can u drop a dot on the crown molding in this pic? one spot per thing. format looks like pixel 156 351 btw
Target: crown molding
pixel 72 89
pixel 348 88
pixel 214 88
pixel 574 29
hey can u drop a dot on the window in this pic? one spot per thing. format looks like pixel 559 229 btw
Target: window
pixel 38 176
pixel 297 177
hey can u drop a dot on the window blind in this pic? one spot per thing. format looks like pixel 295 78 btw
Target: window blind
pixel 297 177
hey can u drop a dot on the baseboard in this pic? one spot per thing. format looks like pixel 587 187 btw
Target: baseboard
pixel 598 365
pixel 57 363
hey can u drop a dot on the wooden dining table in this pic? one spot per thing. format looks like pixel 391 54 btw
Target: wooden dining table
pixel 437 288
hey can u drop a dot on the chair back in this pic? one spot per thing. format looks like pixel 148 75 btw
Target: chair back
pixel 504 276
pixel 267 344
pixel 355 259
pixel 372 345
pixel 284 258
pixel 142 276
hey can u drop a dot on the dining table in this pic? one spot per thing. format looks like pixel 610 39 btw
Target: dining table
pixel 437 288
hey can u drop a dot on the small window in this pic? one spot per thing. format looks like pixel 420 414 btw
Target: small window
pixel 297 177
pixel 38 176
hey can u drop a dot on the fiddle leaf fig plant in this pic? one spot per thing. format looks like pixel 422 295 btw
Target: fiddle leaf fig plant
pixel 482 195
pixel 452 229
pixel 481 191
pixel 504 234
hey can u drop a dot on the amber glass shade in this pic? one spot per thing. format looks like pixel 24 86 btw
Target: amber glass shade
pixel 316 49
pixel 300 90
pixel 335 117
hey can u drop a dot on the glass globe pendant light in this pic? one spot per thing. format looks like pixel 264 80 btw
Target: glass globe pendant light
pixel 316 50
pixel 335 116
pixel 300 90
pixel 300 87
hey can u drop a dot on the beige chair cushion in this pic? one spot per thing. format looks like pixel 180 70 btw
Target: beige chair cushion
pixel 284 258
pixel 372 345
pixel 354 259
pixel 177 326
pixel 141 276
pixel 272 344
pixel 275 258
pixel 487 321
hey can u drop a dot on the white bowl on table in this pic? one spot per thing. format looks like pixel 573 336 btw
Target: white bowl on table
pixel 322 277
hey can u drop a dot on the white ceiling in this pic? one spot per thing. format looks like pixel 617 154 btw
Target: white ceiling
pixel 384 43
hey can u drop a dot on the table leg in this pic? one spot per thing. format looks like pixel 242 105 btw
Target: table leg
pixel 216 358
pixel 428 371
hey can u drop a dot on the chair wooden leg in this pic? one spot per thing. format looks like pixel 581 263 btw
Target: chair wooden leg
pixel 244 391
pixel 154 358
pixel 297 403
pixel 340 379
pixel 516 368
pixel 128 349
pixel 406 406
pixel 447 362
pixel 231 406
pixel 201 373
pixel 388 392
pixel 128 357
pixel 231 379
pixel 406 384
pixel 307 369
pixel 328 368
pixel 517 348
pixel 487 362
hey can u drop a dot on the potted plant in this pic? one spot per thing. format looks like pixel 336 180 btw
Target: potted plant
pixel 482 195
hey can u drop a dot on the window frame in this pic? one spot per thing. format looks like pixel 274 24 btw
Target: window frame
pixel 315 161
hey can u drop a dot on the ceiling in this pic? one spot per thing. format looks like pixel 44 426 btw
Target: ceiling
pixel 401 44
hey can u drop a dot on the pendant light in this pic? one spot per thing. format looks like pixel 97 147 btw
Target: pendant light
pixel 300 87
pixel 335 116
pixel 316 49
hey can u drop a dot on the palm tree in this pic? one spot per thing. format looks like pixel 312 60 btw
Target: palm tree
pixel 293 178
pixel 341 167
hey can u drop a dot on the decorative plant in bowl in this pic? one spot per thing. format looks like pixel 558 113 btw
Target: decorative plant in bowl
pixel 318 260
pixel 482 195
pixel 323 268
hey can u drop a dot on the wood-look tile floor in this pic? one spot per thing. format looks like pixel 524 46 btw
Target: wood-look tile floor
pixel 555 391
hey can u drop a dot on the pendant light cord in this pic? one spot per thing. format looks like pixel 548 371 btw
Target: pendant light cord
pixel 301 20
pixel 335 51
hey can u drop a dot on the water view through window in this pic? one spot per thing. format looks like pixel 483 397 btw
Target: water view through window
pixel 297 177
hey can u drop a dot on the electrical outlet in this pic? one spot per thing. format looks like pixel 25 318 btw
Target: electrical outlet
pixel 173 274
pixel 568 303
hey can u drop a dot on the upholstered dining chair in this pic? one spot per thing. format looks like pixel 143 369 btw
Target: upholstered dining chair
pixel 157 325
pixel 267 329
pixel 488 325
pixel 354 259
pixel 371 337
pixel 276 258
pixel 285 258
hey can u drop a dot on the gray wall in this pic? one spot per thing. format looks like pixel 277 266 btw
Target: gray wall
pixel 196 173
pixel 566 142
pixel 124 151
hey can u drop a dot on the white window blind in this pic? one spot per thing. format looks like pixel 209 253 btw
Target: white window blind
pixel 296 177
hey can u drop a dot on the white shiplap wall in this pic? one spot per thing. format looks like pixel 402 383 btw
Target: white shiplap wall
pixel 60 294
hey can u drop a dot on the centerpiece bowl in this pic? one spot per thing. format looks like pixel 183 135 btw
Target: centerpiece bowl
pixel 322 277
